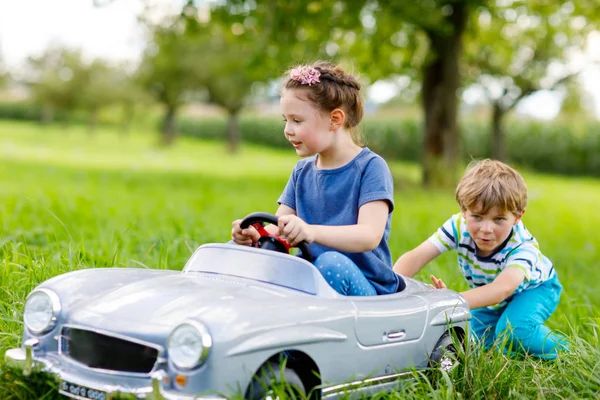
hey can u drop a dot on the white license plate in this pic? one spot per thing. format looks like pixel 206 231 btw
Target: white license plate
pixel 81 392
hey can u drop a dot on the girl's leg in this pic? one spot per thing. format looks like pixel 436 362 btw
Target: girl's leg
pixel 523 321
pixel 483 325
pixel 343 275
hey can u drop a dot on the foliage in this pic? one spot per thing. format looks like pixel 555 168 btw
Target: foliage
pixel 113 115
pixel 247 44
pixel 4 76
pixel 63 83
pixel 577 103
pixel 170 66
pixel 516 48
pixel 20 111
pixel 65 206
pixel 56 78
pixel 557 147
pixel 561 146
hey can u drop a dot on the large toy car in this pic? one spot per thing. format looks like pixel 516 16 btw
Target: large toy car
pixel 236 321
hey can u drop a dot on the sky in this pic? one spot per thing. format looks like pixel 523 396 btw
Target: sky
pixel 27 27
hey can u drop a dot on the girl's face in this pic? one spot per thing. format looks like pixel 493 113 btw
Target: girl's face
pixel 491 229
pixel 306 127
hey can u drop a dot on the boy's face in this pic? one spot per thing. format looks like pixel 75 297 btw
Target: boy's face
pixel 489 230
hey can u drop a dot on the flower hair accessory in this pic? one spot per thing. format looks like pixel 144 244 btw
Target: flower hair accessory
pixel 305 75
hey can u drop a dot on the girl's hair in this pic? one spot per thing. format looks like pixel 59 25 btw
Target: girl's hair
pixel 330 88
pixel 490 183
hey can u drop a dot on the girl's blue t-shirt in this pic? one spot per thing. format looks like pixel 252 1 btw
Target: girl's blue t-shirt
pixel 333 197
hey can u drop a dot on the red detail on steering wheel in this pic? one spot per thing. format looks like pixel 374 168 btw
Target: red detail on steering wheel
pixel 271 242
pixel 263 232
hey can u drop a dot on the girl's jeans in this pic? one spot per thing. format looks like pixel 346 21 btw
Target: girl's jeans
pixel 520 324
pixel 343 274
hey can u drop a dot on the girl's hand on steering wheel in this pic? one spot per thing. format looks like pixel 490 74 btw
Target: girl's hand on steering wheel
pixel 244 237
pixel 295 230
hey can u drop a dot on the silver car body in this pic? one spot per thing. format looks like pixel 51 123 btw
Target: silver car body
pixel 256 304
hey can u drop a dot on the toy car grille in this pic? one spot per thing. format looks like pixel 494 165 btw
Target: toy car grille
pixel 107 352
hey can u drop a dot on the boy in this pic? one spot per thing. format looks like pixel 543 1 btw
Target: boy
pixel 513 284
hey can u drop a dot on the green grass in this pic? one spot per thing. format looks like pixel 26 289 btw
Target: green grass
pixel 69 200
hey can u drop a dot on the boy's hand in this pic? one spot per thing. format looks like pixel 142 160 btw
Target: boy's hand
pixel 438 283
pixel 295 230
pixel 245 237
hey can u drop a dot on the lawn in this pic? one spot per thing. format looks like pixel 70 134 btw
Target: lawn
pixel 71 200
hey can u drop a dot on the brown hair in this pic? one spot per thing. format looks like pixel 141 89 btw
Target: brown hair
pixel 335 89
pixel 491 183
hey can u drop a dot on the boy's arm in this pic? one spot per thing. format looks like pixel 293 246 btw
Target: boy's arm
pixel 493 293
pixel 412 261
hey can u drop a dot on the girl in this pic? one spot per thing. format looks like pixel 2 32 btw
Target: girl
pixel 339 198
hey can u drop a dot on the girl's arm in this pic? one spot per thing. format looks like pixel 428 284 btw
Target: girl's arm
pixel 363 236
pixel 412 261
pixel 493 293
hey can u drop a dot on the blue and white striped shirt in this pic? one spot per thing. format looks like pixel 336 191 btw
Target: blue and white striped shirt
pixel 520 250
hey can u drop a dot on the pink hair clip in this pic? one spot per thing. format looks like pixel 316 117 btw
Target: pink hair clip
pixel 305 75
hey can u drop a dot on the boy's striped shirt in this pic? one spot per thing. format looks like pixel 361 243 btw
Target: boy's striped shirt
pixel 520 250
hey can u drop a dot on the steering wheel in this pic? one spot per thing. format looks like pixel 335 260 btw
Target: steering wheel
pixel 271 242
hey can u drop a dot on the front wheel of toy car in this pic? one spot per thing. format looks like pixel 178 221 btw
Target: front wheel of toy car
pixel 445 355
pixel 275 381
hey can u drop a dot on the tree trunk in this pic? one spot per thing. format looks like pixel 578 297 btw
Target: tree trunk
pixel 233 131
pixel 168 131
pixel 47 114
pixel 128 113
pixel 498 136
pixel 93 120
pixel 441 82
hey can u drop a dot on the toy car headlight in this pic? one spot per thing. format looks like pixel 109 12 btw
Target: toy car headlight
pixel 189 344
pixel 42 309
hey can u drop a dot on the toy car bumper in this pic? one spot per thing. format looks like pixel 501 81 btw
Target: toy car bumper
pixel 85 389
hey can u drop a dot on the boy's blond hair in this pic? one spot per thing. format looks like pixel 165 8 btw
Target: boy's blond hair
pixel 491 183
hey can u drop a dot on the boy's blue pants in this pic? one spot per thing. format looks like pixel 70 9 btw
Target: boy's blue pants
pixel 521 322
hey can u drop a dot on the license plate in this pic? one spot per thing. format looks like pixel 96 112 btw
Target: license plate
pixel 81 392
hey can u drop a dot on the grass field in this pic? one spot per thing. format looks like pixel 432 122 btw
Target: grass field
pixel 69 200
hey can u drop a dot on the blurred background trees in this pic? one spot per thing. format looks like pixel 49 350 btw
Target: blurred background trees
pixel 513 52
pixel 4 77
pixel 232 54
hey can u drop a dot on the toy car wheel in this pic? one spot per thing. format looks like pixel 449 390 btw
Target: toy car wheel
pixel 445 354
pixel 274 381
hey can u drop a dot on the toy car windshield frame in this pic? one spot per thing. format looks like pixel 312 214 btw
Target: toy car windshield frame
pixel 256 264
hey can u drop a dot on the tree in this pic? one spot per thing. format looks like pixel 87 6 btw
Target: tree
pixel 169 68
pixel 4 76
pixel 517 48
pixel 99 91
pixel 250 43
pixel 577 103
pixel 226 69
pixel 423 40
pixel 128 94
pixel 56 79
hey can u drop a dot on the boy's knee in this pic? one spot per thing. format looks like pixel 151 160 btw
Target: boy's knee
pixel 520 337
